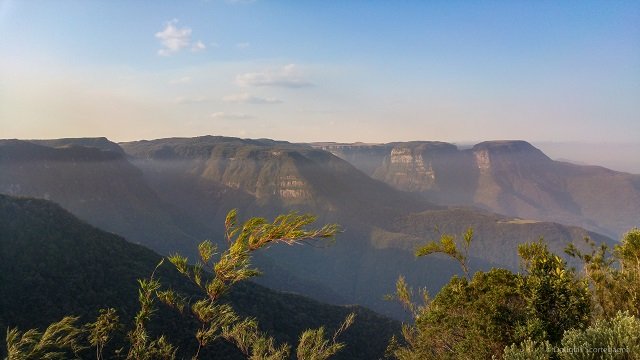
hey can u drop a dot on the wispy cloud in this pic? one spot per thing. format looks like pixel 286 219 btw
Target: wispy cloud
pixel 175 39
pixel 243 45
pixel 198 46
pixel 289 76
pixel 246 98
pixel 230 116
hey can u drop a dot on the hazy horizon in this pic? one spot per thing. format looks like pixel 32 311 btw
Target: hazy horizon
pixel 615 156
pixel 322 71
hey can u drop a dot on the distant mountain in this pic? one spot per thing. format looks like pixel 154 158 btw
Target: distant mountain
pixel 277 174
pixel 618 156
pixel 103 188
pixel 100 186
pixel 509 177
pixel 101 143
pixel 206 176
pixel 52 264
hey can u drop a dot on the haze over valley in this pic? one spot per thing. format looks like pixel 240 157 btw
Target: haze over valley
pixel 249 179
pixel 169 194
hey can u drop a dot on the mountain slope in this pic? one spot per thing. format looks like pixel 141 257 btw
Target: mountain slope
pixel 52 264
pixel 509 177
pixel 99 186
pixel 206 176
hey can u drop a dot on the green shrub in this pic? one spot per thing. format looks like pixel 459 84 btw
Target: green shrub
pixel 617 338
pixel 528 350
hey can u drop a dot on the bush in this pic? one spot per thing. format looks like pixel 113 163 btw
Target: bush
pixel 528 350
pixel 617 338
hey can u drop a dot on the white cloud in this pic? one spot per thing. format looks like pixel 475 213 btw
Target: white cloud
pixel 198 46
pixel 243 45
pixel 182 80
pixel 246 98
pixel 230 116
pixel 288 76
pixel 175 39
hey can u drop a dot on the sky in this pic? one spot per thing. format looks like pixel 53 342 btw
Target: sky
pixel 371 71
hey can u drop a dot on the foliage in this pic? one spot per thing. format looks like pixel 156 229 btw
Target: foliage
pixel 466 319
pixel 218 320
pixel 142 346
pixel 101 331
pixel 314 346
pixel 447 245
pixel 405 295
pixel 614 276
pixel 478 318
pixel 60 340
pixel 616 338
pixel 556 300
pixel 611 339
pixel 528 350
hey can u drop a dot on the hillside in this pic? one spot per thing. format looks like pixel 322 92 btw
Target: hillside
pixel 99 186
pixel 494 234
pixel 52 264
pixel 508 177
pixel 206 176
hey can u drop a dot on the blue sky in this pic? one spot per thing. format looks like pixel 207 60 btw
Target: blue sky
pixel 372 71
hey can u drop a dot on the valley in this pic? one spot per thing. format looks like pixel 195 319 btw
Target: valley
pixel 170 194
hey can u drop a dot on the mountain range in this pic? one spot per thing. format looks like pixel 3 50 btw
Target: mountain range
pixel 507 177
pixel 168 194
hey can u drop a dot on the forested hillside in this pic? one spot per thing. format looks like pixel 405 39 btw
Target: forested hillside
pixel 52 265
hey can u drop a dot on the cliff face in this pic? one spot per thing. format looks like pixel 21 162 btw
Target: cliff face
pixel 406 168
pixel 262 173
pixel 258 174
pixel 509 177
pixel 439 170
pixel 366 157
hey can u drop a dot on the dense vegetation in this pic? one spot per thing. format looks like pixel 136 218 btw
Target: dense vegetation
pixel 545 311
pixel 52 265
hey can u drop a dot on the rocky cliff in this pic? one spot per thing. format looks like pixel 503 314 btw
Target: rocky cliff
pixel 509 177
